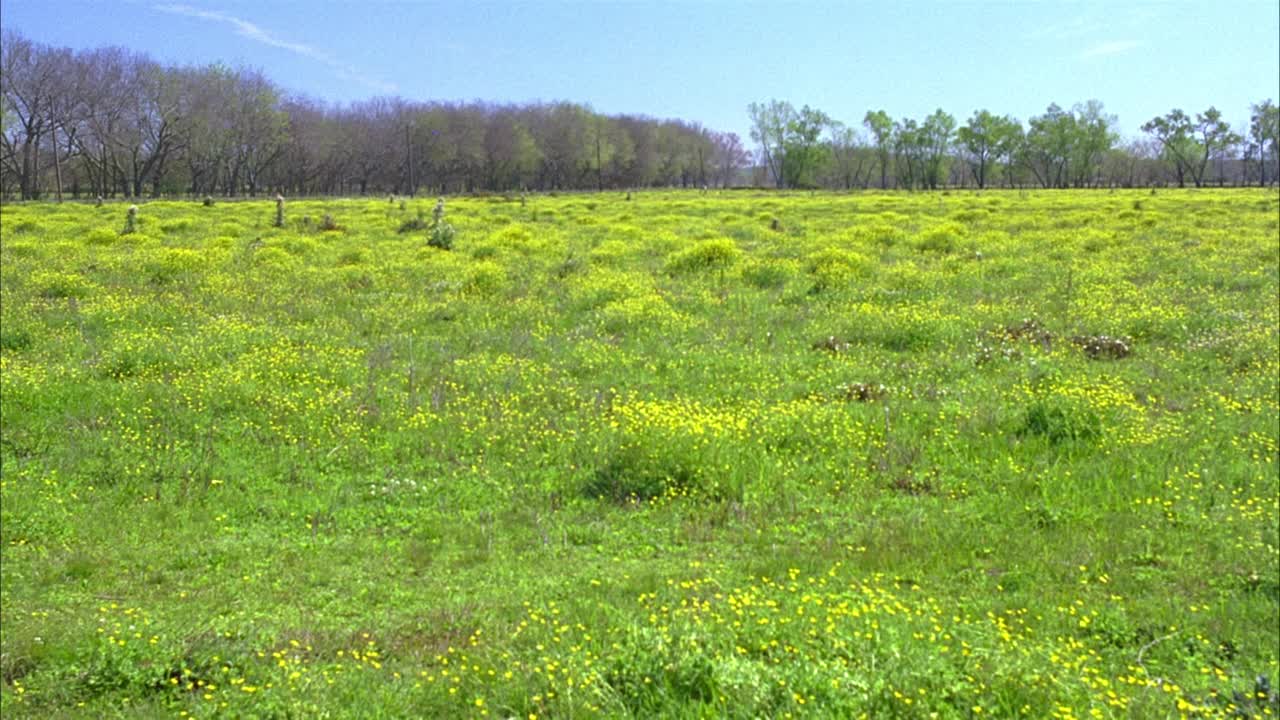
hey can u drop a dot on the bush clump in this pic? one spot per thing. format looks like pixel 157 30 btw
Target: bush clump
pixel 835 268
pixel 717 254
pixel 636 473
pixel 414 224
pixel 328 224
pixel 167 265
pixel 440 234
pixel 58 285
pixel 100 236
pixel 942 239
pixel 130 221
pixel 766 274
pixel 485 278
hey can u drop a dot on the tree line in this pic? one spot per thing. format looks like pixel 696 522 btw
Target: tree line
pixel 110 122
pixel 1060 148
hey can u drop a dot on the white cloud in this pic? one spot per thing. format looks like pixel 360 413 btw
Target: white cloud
pixel 246 29
pixel 1115 47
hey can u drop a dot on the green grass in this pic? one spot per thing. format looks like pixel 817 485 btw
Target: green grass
pixel 735 455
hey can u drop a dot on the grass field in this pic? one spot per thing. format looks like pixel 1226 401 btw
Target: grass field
pixel 739 454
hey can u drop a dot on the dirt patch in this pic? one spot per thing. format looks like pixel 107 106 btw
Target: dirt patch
pixel 862 392
pixel 832 344
pixel 1104 347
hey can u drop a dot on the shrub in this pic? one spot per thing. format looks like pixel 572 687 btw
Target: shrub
pixel 485 278
pixel 971 215
pixel 413 224
pixel 636 311
pixel 834 268
pixel 637 473
pixel 515 234
pixel 878 234
pixel 273 257
pixel 28 227
pixel 169 264
pixel 1092 240
pixel 767 274
pixel 24 249
pixel 100 236
pixel 441 236
pixel 484 251
pixel 355 277
pixel 608 252
pixel 602 286
pixel 14 339
pixel 717 254
pixel 130 220
pixel 174 227
pixel 941 238
pixel 353 256
pixel 54 285
pixel 296 245
pixel 441 233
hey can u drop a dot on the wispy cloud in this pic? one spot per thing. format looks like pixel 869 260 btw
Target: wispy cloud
pixel 256 33
pixel 1068 28
pixel 1115 47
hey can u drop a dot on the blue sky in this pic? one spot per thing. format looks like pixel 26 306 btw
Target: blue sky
pixel 706 60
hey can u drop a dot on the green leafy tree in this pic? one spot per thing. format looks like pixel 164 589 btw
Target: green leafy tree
pixel 880 125
pixel 1012 157
pixel 768 130
pixel 790 141
pixel 907 153
pixel 935 139
pixel 1264 138
pixel 1214 137
pixel 986 139
pixel 1047 147
pixel 607 144
pixel 1093 138
pixel 1173 132
pixel 804 153
pixel 1190 143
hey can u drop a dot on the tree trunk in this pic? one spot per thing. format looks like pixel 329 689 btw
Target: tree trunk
pixel 24 182
pixel 57 167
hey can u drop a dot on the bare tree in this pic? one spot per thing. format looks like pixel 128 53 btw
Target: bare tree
pixel 115 121
pixel 29 85
pixel 730 157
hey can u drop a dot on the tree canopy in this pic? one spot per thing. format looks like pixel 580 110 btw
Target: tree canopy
pixel 108 121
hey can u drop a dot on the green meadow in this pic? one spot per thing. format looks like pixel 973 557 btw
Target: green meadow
pixel 667 454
